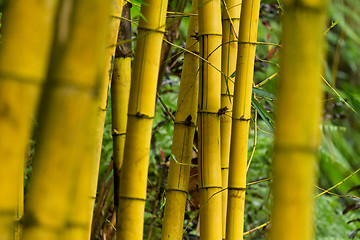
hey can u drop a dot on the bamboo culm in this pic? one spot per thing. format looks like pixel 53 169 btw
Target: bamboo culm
pixel 23 67
pixel 210 37
pixel 297 134
pixel 241 118
pixel 75 66
pixel 133 175
pixel 230 28
pixel 184 130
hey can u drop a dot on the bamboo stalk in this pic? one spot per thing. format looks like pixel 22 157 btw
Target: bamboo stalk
pixel 120 91
pixel 23 64
pixel 82 212
pixel 86 193
pixel 184 130
pixel 209 120
pixel 67 120
pixel 297 134
pixel 230 24
pixel 241 118
pixel 133 176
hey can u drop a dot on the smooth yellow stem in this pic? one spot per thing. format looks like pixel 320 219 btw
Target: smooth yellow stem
pixel 210 38
pixel 67 125
pixel 298 118
pixel 82 209
pixel 230 24
pixel 133 176
pixel 23 65
pixel 120 93
pixel 241 118
pixel 185 122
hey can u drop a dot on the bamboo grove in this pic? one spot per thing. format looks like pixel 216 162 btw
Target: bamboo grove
pixel 81 63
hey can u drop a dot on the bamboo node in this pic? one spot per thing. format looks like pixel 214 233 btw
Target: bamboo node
pixel 242 119
pixel 22 79
pixel 141 115
pixel 230 19
pixel 295 148
pixel 237 188
pixel 176 190
pixel 115 133
pixel 222 111
pixel 208 112
pixel 133 198
pixel 209 187
pixel 187 122
pixel 227 95
pixel 195 36
pixel 152 30
pixel 209 34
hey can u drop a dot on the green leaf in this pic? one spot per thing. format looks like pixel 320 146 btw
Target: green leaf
pixel 265 115
pixel 264 94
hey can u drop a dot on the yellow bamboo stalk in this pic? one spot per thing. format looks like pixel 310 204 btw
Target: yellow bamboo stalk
pixel 230 29
pixel 82 209
pixel 113 31
pixel 120 92
pixel 297 134
pixel 184 130
pixel 67 123
pixel 241 118
pixel 23 64
pixel 209 120
pixel 133 176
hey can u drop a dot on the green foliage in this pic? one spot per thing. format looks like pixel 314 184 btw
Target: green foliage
pixel 331 224
pixel 258 196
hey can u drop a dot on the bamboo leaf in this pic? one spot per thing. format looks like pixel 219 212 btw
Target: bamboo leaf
pixel 265 115
pixel 265 94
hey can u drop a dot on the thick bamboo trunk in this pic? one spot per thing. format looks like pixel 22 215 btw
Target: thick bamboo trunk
pixel 241 118
pixel 133 176
pixel 209 120
pixel 185 121
pixel 120 92
pixel 23 65
pixel 67 120
pixel 88 176
pixel 298 118
pixel 230 29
